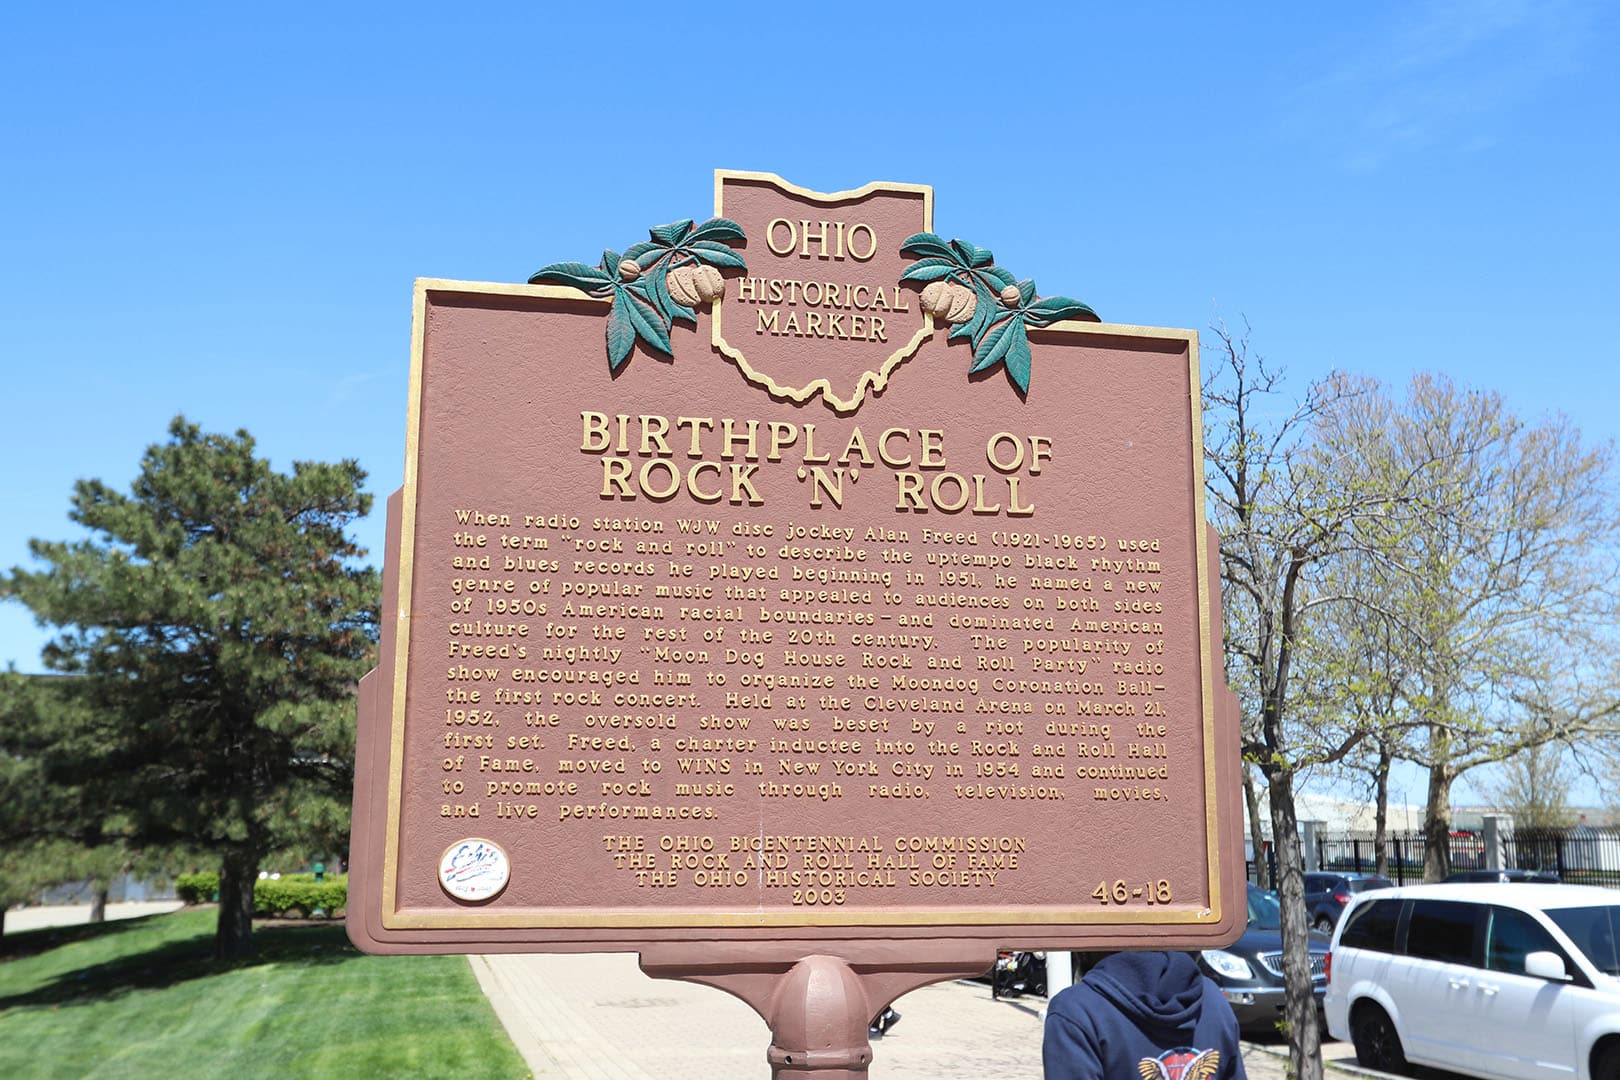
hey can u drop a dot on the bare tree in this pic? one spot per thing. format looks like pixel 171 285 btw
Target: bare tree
pixel 1286 505
pixel 1533 786
pixel 1368 668
pixel 1505 586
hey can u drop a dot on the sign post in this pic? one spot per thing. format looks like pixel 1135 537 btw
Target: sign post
pixel 803 601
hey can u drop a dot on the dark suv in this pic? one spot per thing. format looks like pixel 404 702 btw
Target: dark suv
pixel 1326 894
pixel 1249 971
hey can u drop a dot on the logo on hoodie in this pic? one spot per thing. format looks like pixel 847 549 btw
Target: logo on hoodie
pixel 1182 1063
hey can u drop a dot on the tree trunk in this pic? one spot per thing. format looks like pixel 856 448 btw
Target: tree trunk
pixel 98 902
pixel 1381 812
pixel 1437 824
pixel 1299 1008
pixel 1257 835
pixel 233 934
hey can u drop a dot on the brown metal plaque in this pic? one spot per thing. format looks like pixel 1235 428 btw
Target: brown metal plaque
pixel 803 630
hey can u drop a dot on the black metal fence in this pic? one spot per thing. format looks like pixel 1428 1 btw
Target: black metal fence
pixel 1403 854
pixel 1581 854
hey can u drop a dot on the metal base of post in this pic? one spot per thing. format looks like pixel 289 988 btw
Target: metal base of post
pixel 818 1006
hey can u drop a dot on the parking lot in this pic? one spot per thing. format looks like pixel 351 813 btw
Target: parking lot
pixel 598 1017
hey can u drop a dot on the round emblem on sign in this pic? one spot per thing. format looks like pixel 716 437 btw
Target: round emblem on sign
pixel 474 869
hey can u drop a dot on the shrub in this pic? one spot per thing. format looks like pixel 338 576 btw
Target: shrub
pixel 199 888
pixel 294 895
pixel 300 895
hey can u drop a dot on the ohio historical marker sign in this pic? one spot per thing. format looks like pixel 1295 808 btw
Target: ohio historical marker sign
pixel 796 572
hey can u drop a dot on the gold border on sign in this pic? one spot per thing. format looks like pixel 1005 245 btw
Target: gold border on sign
pixel 394 917
pixel 870 381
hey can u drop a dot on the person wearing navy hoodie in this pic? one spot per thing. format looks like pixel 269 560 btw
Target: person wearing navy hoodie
pixel 1142 1016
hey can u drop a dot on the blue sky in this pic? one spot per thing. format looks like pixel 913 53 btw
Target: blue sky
pixel 219 210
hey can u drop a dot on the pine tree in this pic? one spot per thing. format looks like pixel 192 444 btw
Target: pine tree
pixel 22 861
pixel 219 619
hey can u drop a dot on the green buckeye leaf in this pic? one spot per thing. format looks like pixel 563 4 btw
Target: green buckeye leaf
pixel 1000 275
pixel 996 341
pixel 1051 309
pixel 930 269
pixel 636 251
pixel 580 275
pixel 715 253
pixel 1018 360
pixel 621 334
pixel 671 234
pixel 649 324
pixel 972 255
pixel 1026 291
pixel 680 242
pixel 966 329
pixel 718 228
pixel 928 244
pixel 610 264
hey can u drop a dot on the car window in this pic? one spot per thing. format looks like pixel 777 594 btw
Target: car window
pixel 1372 926
pixel 1363 884
pixel 1442 930
pixel 1593 929
pixel 1512 936
pixel 1265 913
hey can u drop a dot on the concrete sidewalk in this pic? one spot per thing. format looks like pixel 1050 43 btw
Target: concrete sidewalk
pixel 598 1017
pixel 36 918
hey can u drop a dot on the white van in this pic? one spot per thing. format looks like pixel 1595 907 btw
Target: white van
pixel 1506 980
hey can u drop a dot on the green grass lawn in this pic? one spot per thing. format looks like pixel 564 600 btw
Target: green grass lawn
pixel 143 998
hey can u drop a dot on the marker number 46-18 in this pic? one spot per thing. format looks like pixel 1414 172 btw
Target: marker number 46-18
pixel 1123 892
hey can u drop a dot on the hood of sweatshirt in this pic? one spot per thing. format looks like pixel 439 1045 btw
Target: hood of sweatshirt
pixel 1159 991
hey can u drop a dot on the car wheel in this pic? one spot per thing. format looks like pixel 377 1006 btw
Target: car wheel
pixel 1377 1043
pixel 1606 1063
pixel 1325 925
